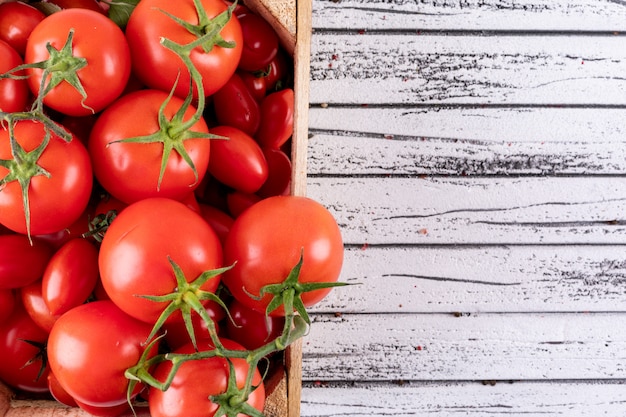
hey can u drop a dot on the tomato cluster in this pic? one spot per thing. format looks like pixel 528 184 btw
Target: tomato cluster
pixel 150 250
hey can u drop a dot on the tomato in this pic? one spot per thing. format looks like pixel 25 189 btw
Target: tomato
pixel 279 173
pixel 237 162
pixel 96 40
pixel 238 202
pixel 267 241
pixel 36 307
pixel 276 126
pixel 278 72
pixel 260 42
pixel 252 328
pixel 56 200
pixel 176 334
pixel 14 93
pixel 80 4
pixel 20 262
pixel 190 391
pixel 219 221
pixel 73 231
pixel 255 84
pixel 7 303
pixel 135 115
pixel 148 24
pixel 71 276
pixel 17 21
pixel 112 411
pixel 21 349
pixel 236 106
pixel 89 349
pixel 135 252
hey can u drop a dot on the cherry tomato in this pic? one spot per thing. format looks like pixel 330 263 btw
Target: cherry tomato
pixel 191 390
pixel 256 84
pixel 56 200
pixel 78 4
pixel 136 115
pixel 136 251
pixel 267 241
pixel 7 303
pixel 14 93
pixel 36 307
pixel 237 162
pixel 260 42
pixel 236 106
pixel 251 328
pixel 149 23
pixel 238 202
pixel 219 220
pixel 20 262
pixel 89 349
pixel 276 126
pixel 279 173
pixel 17 21
pixel 73 231
pixel 96 39
pixel 278 72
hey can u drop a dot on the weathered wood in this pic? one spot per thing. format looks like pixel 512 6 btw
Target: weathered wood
pixel 453 399
pixel 459 210
pixel 466 141
pixel 475 347
pixel 426 279
pixel 507 15
pixel 400 69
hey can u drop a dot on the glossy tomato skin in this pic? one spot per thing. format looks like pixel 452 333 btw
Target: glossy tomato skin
pixel 238 202
pixel 58 393
pixel 7 303
pixel 133 115
pixel 14 93
pixel 148 24
pixel 260 42
pixel 252 328
pixel 219 220
pixel 279 173
pixel 190 391
pixel 277 111
pixel 89 349
pixel 17 372
pixel 99 41
pixel 237 162
pixel 70 276
pixel 236 106
pixel 134 254
pixel 36 307
pixel 266 241
pixel 17 21
pixel 256 84
pixel 20 262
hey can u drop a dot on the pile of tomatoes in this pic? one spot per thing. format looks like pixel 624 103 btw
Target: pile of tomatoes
pixel 150 250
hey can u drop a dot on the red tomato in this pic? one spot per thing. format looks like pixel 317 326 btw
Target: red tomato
pixel 79 4
pixel 7 303
pixel 22 364
pixel 278 72
pixel 148 24
pixel 279 173
pixel 238 202
pixel 190 392
pixel 89 349
pixel 176 334
pixel 73 231
pixel 219 221
pixel 17 21
pixel 134 115
pixel 55 201
pixel 236 106
pixel 20 262
pixel 36 307
pixel 251 328
pixel 96 39
pixel 267 241
pixel 71 276
pixel 113 411
pixel 255 84
pixel 260 42
pixel 135 250
pixel 276 119
pixel 237 162
pixel 58 392
pixel 14 93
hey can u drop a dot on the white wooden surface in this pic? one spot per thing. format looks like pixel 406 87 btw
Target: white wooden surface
pixel 474 155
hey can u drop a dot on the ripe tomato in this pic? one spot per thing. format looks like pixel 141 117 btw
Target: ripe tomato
pixel 56 199
pixel 219 221
pixel 148 24
pixel 277 76
pixel 237 162
pixel 71 276
pixel 135 253
pixel 20 262
pixel 276 126
pixel 279 173
pixel 80 4
pixel 252 328
pixel 238 202
pixel 256 84
pixel 58 393
pixel 14 93
pixel 260 42
pixel 96 39
pixel 135 115
pixel 7 303
pixel 190 392
pixel 267 241
pixel 36 307
pixel 89 349
pixel 236 106
pixel 17 21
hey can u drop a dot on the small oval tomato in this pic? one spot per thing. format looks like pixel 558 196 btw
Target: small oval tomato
pixel 14 93
pixel 58 393
pixel 97 41
pixel 20 262
pixel 219 221
pixel 73 231
pixel 89 349
pixel 36 307
pixel 70 276
pixel 278 72
pixel 237 162
pixel 238 202
pixel 7 303
pixel 260 42
pixel 277 110
pixel 279 173
pixel 255 84
pixel 17 21
pixel 251 328
pixel 191 391
pixel 235 106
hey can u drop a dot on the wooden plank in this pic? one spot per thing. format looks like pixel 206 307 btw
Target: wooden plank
pixel 503 210
pixel 424 279
pixel 466 141
pixel 476 347
pixel 453 399
pixel 522 15
pixel 400 69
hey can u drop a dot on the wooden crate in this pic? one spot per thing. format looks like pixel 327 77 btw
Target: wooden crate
pixel 292 21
